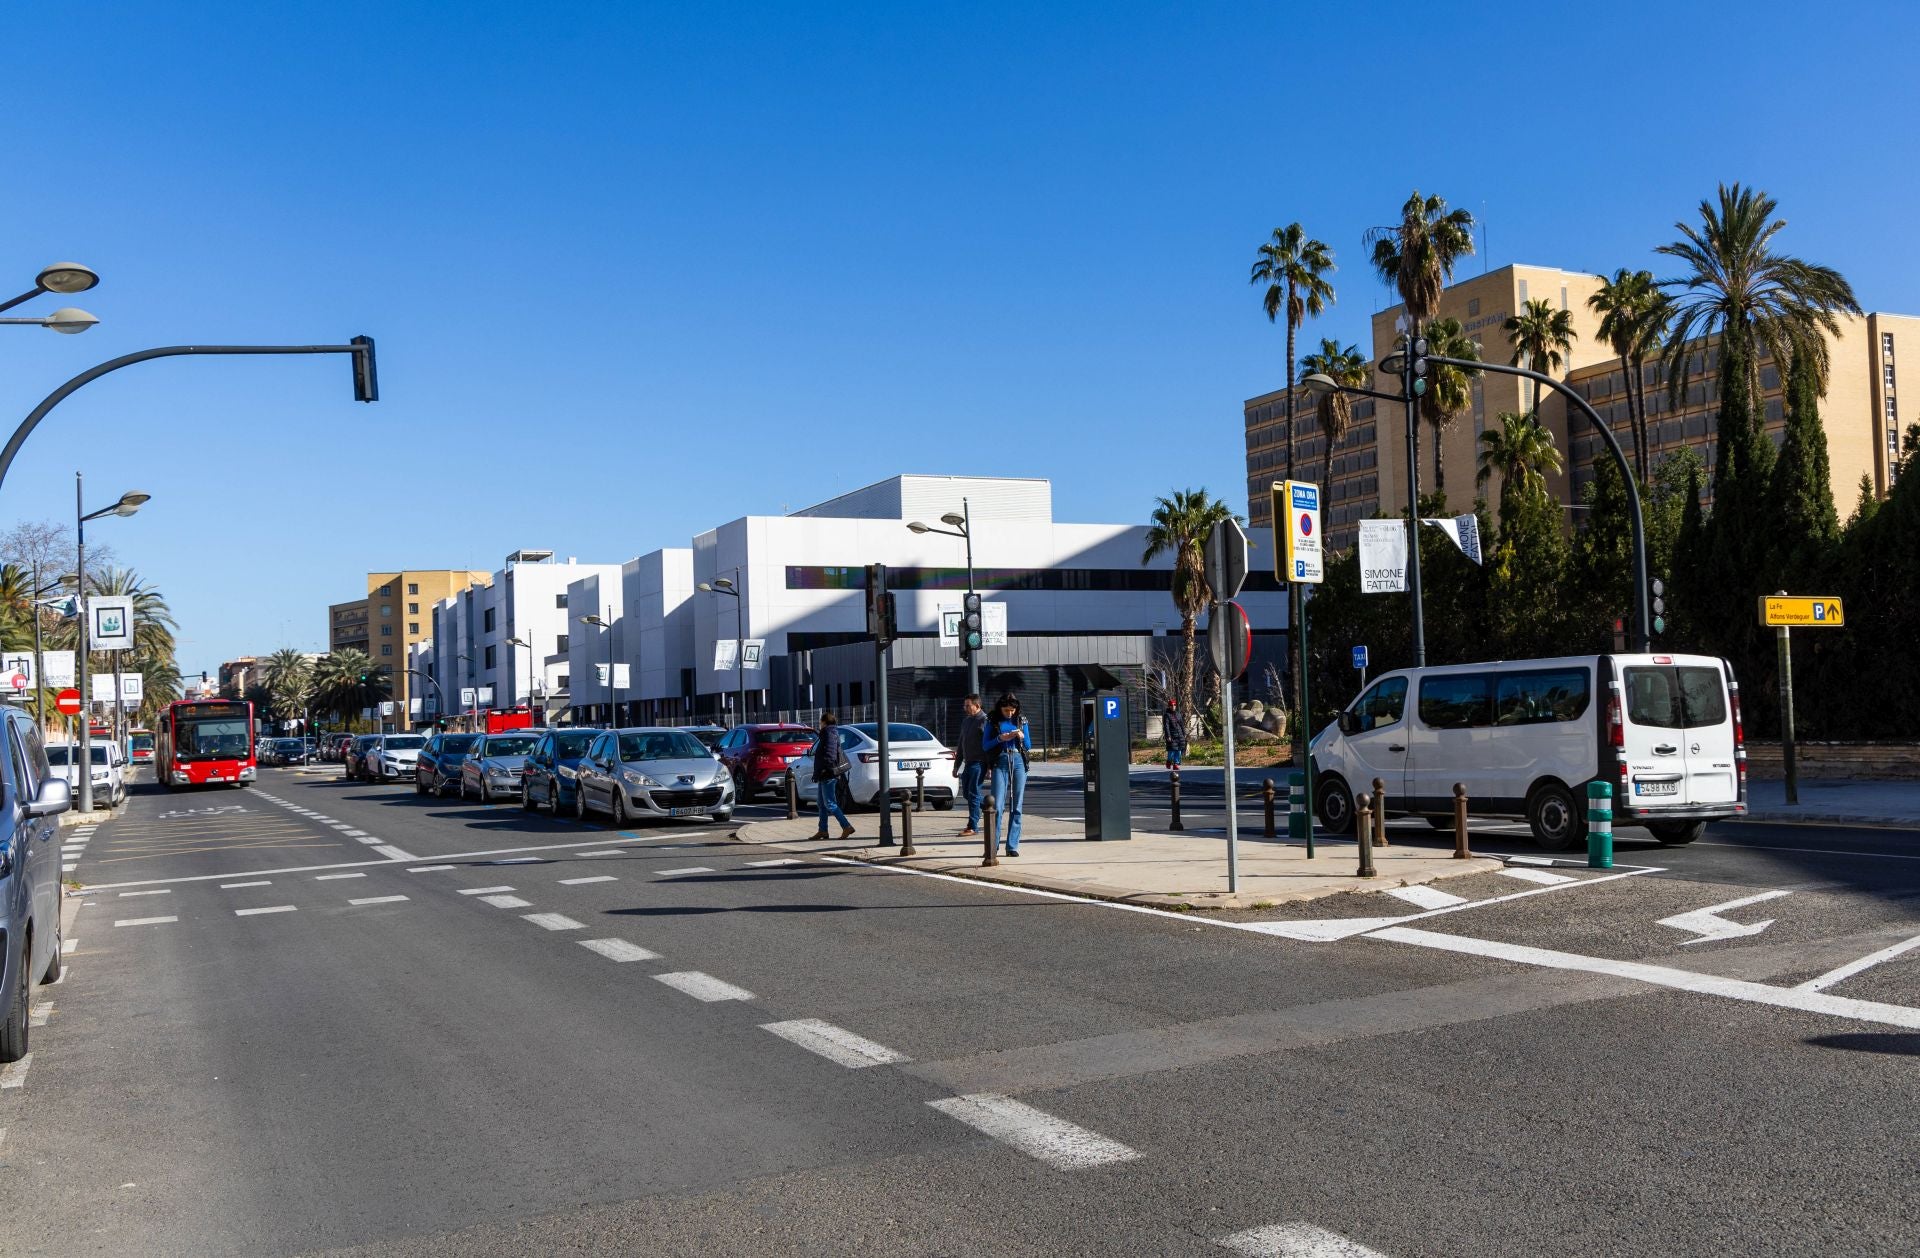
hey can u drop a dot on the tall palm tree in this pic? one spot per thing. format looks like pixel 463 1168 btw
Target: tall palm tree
pixel 1736 284
pixel 1633 317
pixel 1450 391
pixel 1542 340
pixel 347 681
pixel 1348 369
pixel 1416 256
pixel 1294 268
pixel 1521 452
pixel 1180 524
pixel 290 681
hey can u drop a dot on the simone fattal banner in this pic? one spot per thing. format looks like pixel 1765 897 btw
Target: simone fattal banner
pixel 1383 556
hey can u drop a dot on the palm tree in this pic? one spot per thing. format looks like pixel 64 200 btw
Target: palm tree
pixel 1522 452
pixel 1735 284
pixel 1416 256
pixel 1542 339
pixel 1633 318
pixel 1294 269
pixel 289 681
pixel 1450 391
pixel 1180 524
pixel 1348 369
pixel 347 681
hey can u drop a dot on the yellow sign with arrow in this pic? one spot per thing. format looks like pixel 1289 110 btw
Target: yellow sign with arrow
pixel 1797 611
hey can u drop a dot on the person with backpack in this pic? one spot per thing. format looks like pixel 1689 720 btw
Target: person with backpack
pixel 1004 742
pixel 830 765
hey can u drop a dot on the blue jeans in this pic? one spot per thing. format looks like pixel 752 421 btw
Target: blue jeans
pixel 829 793
pixel 1011 771
pixel 970 775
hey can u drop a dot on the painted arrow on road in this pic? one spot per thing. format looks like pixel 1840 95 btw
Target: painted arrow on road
pixel 1709 925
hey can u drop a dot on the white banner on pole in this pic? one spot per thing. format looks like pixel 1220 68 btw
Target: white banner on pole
pixel 16 673
pixel 725 652
pixel 60 671
pixel 132 688
pixel 386 707
pixel 1465 532
pixel 413 705
pixel 1383 556
pixel 993 624
pixel 755 651
pixel 467 694
pixel 950 624
pixel 623 676
pixel 111 624
pixel 485 697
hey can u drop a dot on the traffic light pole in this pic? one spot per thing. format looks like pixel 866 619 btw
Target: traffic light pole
pixel 1408 391
pixel 973 657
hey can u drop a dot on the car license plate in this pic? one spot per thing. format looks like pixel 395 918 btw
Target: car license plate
pixel 1656 788
pixel 686 812
pixel 910 765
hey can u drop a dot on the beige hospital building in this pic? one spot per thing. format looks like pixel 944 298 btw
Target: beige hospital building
pixel 1861 411
pixel 396 613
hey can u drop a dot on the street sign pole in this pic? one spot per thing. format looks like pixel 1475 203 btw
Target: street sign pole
pixel 1305 567
pixel 1226 573
pixel 1786 715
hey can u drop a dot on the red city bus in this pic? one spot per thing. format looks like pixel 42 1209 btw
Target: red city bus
pixel 201 741
pixel 139 746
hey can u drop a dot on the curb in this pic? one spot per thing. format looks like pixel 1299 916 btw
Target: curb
pixel 1777 816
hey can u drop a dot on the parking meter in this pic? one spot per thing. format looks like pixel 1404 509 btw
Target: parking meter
pixel 1105 765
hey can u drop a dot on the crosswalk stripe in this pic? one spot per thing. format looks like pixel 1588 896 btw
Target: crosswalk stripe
pixel 703 986
pixel 1425 897
pixel 1295 1240
pixel 835 1044
pixel 1036 1133
pixel 1540 876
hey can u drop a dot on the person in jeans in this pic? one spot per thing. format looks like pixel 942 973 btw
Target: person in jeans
pixel 1174 728
pixel 969 757
pixel 829 766
pixel 1005 744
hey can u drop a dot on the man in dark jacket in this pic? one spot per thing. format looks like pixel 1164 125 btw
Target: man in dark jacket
pixel 968 756
pixel 1173 728
pixel 829 766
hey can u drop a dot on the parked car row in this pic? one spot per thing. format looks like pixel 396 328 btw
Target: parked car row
pixel 283 751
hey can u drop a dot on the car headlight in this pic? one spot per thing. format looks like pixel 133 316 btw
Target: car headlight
pixel 498 771
pixel 721 778
pixel 563 771
pixel 633 777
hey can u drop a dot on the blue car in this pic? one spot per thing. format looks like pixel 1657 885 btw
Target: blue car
pixel 438 768
pixel 551 767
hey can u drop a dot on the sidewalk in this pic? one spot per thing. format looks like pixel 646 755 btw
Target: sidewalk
pixel 1878 803
pixel 1156 868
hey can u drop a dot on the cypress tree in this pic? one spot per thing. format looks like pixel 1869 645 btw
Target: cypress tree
pixel 1689 562
pixel 1802 493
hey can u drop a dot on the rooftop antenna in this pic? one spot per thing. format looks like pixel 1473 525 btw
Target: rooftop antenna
pixel 1483 238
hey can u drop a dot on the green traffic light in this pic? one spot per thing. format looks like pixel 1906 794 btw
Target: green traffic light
pixel 1420 388
pixel 1659 624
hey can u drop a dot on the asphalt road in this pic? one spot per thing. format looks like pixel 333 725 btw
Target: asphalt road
pixel 319 1016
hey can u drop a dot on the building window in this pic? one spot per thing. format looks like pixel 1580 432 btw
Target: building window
pixel 1886 346
pixel 560 644
pixel 386 589
pixel 413 609
pixel 1473 307
pixel 386 609
pixel 486 621
pixel 490 656
pixel 413 587
pixel 386 649
pixel 386 631
pixel 560 600
pixel 413 627
pixel 1886 373
pixel 1523 292
pixel 561 681
pixel 1893 421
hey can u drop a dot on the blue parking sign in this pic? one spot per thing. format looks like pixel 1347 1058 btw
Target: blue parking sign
pixel 1360 658
pixel 1110 709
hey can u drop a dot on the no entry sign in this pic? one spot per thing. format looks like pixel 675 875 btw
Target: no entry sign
pixel 68 701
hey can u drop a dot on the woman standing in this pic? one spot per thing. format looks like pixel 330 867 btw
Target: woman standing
pixel 829 766
pixel 1005 744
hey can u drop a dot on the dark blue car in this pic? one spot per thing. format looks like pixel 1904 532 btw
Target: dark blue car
pixel 437 771
pixel 548 778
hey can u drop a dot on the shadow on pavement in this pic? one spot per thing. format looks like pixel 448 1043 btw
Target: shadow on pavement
pixel 1903 1045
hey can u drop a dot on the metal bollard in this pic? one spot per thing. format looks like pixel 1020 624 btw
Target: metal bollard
pixel 919 790
pixel 1266 793
pixel 793 798
pixel 1299 821
pixel 906 829
pixel 1362 817
pixel 1599 825
pixel 989 830
pixel 1379 813
pixel 1460 851
pixel 1174 822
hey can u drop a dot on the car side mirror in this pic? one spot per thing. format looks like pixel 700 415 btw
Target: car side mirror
pixel 1349 723
pixel 56 796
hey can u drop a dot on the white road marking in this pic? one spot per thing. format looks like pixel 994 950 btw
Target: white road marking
pixel 162 891
pixel 273 908
pixel 40 1014
pixel 70 946
pixel 1035 1133
pixel 483 890
pixel 691 869
pixel 1295 1240
pixel 1852 968
pixel 334 877
pixel 835 1044
pixel 576 882
pixel 428 869
pixel 1708 925
pixel 378 899
pixel 395 854
pixel 15 1074
pixel 67 869
pixel 354 834
pixel 1540 876
pixel 784 860
pixel 1329 929
pixel 230 886
pixel 1425 897
pixel 1815 851
pixel 145 921
pixel 703 986
pixel 619 950
pixel 1662 976
pixel 339 825
pixel 369 840
pixel 506 901
pixel 553 921
pixel 604 852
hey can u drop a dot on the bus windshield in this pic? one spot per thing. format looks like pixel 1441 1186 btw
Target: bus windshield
pixel 141 742
pixel 222 738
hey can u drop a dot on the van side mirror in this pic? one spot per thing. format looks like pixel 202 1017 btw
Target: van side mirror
pixel 1349 723
pixel 56 796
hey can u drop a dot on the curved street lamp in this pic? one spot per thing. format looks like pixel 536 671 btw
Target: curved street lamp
pixel 128 503
pixel 962 527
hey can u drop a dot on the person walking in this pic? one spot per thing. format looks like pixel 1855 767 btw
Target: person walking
pixel 829 766
pixel 1173 728
pixel 1005 743
pixel 969 759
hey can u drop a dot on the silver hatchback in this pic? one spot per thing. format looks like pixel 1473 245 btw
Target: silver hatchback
pixel 492 770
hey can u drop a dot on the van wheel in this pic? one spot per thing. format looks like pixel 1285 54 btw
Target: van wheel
pixel 1676 833
pixel 13 1031
pixel 1556 821
pixel 1336 805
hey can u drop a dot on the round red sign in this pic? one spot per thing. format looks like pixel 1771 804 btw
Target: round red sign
pixel 68 701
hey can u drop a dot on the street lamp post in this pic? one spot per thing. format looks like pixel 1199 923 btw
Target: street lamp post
pixel 962 528
pixel 606 623
pixel 128 504
pixel 439 694
pixel 721 585
pixel 530 673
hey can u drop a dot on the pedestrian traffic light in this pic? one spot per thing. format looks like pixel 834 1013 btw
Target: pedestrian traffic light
pixel 1657 604
pixel 366 377
pixel 971 626
pixel 882 621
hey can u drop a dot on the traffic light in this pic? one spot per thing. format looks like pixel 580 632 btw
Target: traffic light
pixel 882 623
pixel 971 626
pixel 366 377
pixel 1419 366
pixel 1657 604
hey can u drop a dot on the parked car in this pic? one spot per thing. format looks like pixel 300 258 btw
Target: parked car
pixel 437 768
pixel 282 751
pixel 354 758
pixel 651 772
pixel 1525 737
pixel 551 768
pixel 494 765
pixel 109 771
pixel 758 756
pixel 709 735
pixel 29 877
pixel 391 758
pixel 909 747
pixel 336 747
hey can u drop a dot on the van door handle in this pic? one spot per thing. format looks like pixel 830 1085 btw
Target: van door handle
pixel 1665 749
pixel 1396 746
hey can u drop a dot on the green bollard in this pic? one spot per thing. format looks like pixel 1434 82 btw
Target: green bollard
pixel 1599 825
pixel 1296 807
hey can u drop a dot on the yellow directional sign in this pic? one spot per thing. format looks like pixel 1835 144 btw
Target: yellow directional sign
pixel 1796 611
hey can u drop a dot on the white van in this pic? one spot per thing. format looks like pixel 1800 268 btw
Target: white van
pixel 1525 737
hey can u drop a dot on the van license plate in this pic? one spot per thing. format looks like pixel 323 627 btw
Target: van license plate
pixel 1656 788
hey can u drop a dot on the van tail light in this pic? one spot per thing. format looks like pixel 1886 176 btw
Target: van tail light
pixel 1739 730
pixel 1739 746
pixel 1617 732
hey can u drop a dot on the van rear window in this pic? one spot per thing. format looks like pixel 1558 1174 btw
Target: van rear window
pixel 1682 697
pixel 1542 697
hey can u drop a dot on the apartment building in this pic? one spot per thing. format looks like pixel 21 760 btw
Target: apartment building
pixel 395 613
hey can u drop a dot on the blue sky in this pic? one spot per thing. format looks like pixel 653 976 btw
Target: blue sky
pixel 635 269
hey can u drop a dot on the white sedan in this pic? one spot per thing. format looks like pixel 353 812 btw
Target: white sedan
pixel 909 747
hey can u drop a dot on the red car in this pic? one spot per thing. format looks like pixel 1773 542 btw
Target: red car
pixel 758 756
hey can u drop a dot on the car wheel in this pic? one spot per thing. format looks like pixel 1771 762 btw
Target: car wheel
pixel 579 803
pixel 725 814
pixel 619 809
pixel 486 791
pixel 1677 833
pixel 1555 820
pixel 844 794
pixel 419 787
pixel 55 963
pixel 1336 805
pixel 942 805
pixel 527 803
pixel 1440 823
pixel 13 1031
